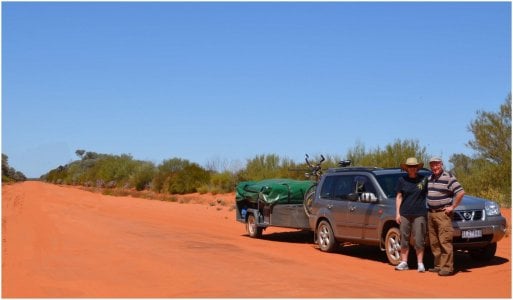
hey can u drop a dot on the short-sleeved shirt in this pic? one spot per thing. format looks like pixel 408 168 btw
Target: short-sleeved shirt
pixel 442 189
pixel 414 191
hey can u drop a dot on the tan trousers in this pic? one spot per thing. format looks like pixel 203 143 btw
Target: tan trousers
pixel 440 239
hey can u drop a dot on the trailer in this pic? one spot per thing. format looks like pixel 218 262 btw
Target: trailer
pixel 272 202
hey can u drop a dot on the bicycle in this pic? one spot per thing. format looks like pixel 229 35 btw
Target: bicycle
pixel 315 173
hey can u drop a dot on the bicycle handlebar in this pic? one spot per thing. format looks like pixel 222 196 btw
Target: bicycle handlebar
pixel 317 166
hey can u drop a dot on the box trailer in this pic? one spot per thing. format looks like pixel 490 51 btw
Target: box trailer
pixel 272 202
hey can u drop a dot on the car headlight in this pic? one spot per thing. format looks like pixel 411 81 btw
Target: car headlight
pixel 492 208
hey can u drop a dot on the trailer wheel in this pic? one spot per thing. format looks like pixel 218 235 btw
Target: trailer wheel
pixel 326 238
pixel 251 227
pixel 393 246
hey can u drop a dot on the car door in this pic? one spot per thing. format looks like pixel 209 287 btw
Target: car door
pixel 345 193
pixel 335 206
pixel 362 216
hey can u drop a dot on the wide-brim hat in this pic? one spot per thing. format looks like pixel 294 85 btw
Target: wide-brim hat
pixel 411 161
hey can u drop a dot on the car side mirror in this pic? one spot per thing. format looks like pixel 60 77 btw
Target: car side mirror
pixel 368 197
pixel 353 197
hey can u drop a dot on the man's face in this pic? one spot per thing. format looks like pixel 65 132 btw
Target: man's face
pixel 436 167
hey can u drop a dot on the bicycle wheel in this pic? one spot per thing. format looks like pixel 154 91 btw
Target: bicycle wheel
pixel 309 198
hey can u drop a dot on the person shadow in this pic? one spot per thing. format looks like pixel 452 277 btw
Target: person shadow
pixel 464 263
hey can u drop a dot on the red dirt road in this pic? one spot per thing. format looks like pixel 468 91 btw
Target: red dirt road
pixel 66 242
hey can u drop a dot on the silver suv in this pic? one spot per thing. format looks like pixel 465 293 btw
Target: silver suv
pixel 356 204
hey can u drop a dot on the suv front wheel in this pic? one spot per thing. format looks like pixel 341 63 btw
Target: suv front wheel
pixel 393 245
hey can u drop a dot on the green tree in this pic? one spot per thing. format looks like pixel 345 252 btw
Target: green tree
pixel 488 173
pixel 492 134
pixel 9 174
pixel 266 166
pixel 389 157
pixel 142 175
pixel 80 153
pixel 179 176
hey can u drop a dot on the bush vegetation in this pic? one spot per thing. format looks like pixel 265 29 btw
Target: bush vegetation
pixel 9 174
pixel 487 174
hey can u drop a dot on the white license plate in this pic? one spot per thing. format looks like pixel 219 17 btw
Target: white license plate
pixel 471 234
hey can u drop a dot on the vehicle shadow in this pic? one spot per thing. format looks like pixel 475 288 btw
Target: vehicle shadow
pixel 463 262
pixel 296 237
pixel 362 252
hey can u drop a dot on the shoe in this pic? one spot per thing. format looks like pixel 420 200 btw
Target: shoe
pixel 434 270
pixel 444 273
pixel 402 266
pixel 421 269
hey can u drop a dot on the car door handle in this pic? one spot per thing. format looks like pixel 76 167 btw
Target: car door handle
pixel 329 206
pixel 352 208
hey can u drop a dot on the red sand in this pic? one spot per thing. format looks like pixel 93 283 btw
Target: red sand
pixel 66 242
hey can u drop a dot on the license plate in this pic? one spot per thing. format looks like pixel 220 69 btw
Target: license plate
pixel 471 234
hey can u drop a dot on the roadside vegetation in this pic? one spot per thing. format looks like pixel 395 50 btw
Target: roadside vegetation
pixel 10 174
pixel 486 174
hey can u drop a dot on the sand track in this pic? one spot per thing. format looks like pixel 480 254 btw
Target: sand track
pixel 66 242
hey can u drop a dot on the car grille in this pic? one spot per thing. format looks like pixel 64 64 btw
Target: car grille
pixel 469 215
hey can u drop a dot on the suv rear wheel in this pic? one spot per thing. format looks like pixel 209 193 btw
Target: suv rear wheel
pixel 325 237
pixel 393 245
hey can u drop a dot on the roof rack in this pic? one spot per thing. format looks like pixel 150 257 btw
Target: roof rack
pixel 366 169
pixel 346 169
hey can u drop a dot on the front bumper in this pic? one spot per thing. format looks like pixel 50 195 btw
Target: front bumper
pixel 493 230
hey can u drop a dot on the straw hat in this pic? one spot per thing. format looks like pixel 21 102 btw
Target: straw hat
pixel 411 161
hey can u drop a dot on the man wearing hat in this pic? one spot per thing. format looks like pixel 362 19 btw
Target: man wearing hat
pixel 411 212
pixel 444 195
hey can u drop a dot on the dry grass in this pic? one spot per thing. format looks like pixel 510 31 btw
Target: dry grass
pixel 212 199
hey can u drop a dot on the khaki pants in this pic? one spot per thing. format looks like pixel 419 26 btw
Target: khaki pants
pixel 440 238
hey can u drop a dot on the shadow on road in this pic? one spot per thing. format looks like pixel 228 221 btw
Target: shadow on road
pixel 296 237
pixel 463 262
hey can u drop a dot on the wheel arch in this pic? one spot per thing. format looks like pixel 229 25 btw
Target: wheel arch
pixel 384 230
pixel 317 222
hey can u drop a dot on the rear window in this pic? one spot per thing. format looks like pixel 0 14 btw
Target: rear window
pixel 388 182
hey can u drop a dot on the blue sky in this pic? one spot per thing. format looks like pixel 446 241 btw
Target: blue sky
pixel 208 81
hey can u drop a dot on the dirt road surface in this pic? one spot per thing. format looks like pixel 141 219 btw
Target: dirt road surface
pixel 65 242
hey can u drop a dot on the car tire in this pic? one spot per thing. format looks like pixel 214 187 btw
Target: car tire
pixel 251 227
pixel 484 254
pixel 325 237
pixel 393 246
pixel 308 201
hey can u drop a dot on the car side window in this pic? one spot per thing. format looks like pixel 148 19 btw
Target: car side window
pixel 363 185
pixel 344 186
pixel 327 187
